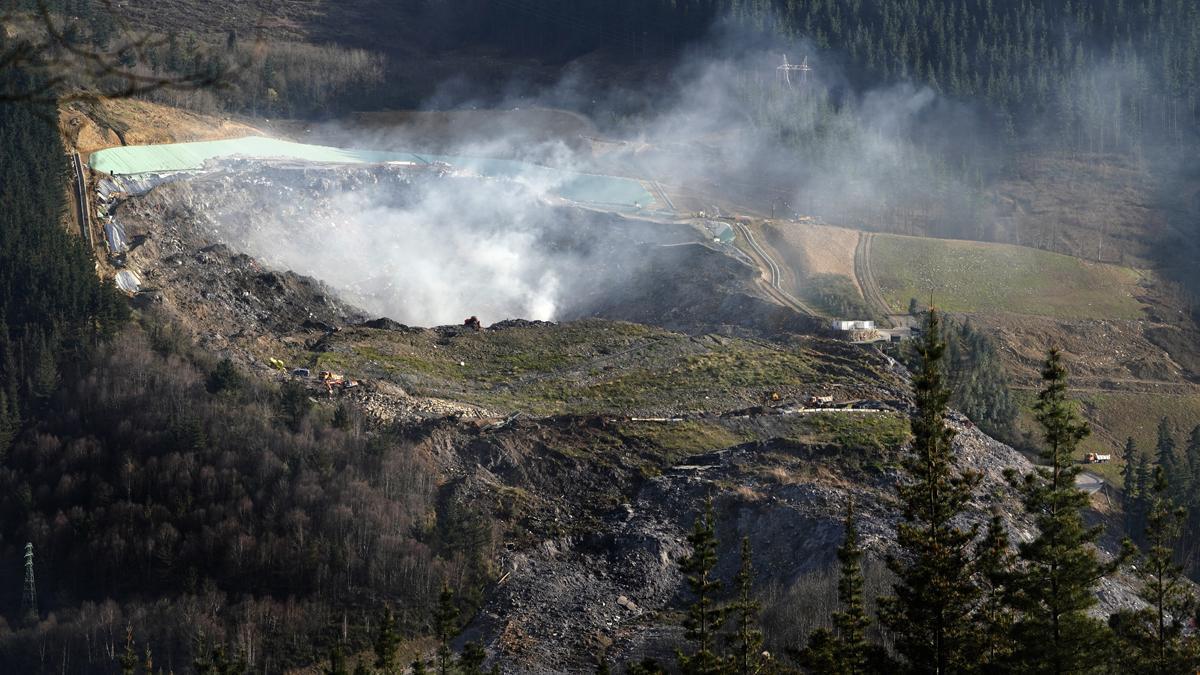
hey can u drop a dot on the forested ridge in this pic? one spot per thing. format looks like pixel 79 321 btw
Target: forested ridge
pixel 1115 65
pixel 52 307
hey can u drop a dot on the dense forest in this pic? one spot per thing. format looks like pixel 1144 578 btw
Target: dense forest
pixel 220 510
pixel 52 308
pixel 1106 70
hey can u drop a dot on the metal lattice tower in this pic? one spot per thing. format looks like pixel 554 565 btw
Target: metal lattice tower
pixel 29 607
pixel 786 70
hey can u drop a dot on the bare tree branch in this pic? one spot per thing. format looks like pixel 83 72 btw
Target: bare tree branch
pixel 39 42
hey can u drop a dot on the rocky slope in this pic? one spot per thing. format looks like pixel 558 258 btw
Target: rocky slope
pixel 589 444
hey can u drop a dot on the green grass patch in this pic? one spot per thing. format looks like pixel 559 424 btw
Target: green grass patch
pixel 682 439
pixel 579 367
pixel 1117 416
pixel 981 277
pixel 864 432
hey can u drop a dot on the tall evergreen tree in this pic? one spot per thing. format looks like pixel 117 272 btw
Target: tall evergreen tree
pixel 337 662
pixel 1191 452
pixel 386 643
pixel 445 625
pixel 470 662
pixel 704 616
pixel 1059 567
pixel 994 618
pixel 934 592
pixel 844 650
pixel 1164 450
pixel 746 656
pixel 1164 587
pixel 1129 493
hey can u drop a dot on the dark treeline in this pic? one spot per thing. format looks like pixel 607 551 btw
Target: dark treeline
pixel 1177 456
pixel 1101 69
pixel 52 308
pixel 978 386
pixel 217 509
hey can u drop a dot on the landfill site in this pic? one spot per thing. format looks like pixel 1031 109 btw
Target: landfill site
pixel 567 345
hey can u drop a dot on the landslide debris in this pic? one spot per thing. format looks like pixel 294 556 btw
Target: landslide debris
pixel 591 443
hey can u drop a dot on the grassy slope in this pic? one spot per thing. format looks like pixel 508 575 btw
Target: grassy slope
pixel 584 367
pixel 1116 416
pixel 979 277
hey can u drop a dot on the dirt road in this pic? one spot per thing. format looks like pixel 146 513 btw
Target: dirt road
pixel 774 274
pixel 870 287
pixel 81 200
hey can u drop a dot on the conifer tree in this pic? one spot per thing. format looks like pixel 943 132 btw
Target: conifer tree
pixel 934 592
pixel 8 424
pixel 994 618
pixel 337 662
pixel 418 667
pixel 747 638
pixel 1164 450
pixel 1163 585
pixel 445 625
pixel 844 650
pixel 704 617
pixel 1192 451
pixel 1130 497
pixel 386 644
pixel 1060 568
pixel 471 660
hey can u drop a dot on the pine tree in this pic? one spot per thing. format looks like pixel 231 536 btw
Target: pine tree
pixel 1164 450
pixel 1130 497
pixel 8 424
pixel 445 625
pixel 1059 567
pixel 747 638
pixel 471 660
pixel 1192 452
pixel 417 667
pixel 386 643
pixel 1164 587
pixel 934 591
pixel 994 618
pixel 337 662
pixel 844 650
pixel 704 617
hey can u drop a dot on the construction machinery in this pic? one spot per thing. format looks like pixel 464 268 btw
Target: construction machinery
pixel 334 381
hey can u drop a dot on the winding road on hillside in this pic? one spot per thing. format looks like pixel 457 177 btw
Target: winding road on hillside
pixel 774 285
pixel 81 200
pixel 870 286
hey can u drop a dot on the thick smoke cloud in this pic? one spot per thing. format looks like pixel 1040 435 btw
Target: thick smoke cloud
pixel 724 130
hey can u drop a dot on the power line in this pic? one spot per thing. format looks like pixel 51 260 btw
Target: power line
pixel 785 71
pixel 29 606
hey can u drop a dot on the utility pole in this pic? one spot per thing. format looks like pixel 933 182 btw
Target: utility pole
pixel 29 607
pixel 785 71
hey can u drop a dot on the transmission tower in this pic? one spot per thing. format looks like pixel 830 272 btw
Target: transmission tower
pixel 785 71
pixel 29 607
